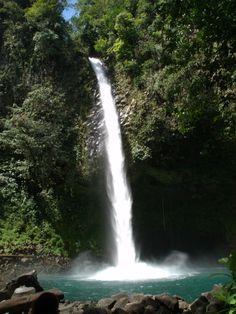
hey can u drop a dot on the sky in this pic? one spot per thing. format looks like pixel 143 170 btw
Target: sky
pixel 69 12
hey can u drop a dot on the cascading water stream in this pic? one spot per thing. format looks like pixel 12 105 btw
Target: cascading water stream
pixel 127 265
pixel 118 191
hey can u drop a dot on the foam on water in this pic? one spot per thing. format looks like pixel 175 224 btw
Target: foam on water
pixel 137 271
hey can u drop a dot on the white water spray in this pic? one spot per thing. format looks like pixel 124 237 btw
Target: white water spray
pixel 127 265
pixel 118 191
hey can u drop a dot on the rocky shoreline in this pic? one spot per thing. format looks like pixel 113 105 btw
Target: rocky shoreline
pixel 121 303
pixel 12 266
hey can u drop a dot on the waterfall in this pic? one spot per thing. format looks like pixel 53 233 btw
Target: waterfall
pixel 117 187
pixel 127 266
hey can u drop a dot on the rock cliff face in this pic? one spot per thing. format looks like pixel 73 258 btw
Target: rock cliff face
pixel 178 204
pixel 178 201
pixel 94 124
pixel 138 115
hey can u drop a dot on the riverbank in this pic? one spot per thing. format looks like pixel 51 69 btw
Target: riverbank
pixel 12 266
pixel 140 303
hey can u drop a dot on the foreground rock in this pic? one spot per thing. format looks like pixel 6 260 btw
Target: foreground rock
pixel 45 302
pixel 147 304
pixel 25 295
pixel 28 280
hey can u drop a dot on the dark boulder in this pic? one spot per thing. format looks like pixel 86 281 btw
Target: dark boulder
pixel 120 304
pixel 170 302
pixel 199 305
pixel 137 297
pixel 183 306
pixel 29 280
pixel 151 301
pixel 149 309
pixel 119 296
pixel 95 310
pixel 164 310
pixel 135 307
pixel 215 306
pixel 119 311
pixel 106 303
pixel 46 303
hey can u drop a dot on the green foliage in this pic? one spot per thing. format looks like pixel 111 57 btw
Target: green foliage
pixel 175 53
pixel 35 133
pixel 126 36
pixel 172 65
pixel 228 296
pixel 227 293
pixel 101 45
pixel 27 238
pixel 230 262
pixel 42 98
pixel 46 11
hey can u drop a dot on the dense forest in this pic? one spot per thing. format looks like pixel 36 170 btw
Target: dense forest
pixel 171 63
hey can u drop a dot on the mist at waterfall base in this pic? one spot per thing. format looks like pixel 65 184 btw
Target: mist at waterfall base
pixel 189 281
pixel 175 265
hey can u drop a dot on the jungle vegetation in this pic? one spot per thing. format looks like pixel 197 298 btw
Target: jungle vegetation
pixel 172 65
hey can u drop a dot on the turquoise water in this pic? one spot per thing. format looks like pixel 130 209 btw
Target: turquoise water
pixel 189 287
